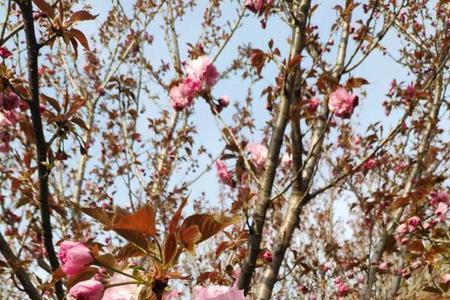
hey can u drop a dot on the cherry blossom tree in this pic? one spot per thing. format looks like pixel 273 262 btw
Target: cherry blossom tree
pixel 257 149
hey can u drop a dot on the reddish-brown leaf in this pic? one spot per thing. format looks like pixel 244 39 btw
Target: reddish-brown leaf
pixel 80 123
pixel 53 102
pixel 99 214
pixel 258 59
pixel 189 236
pixel 81 15
pixel 142 221
pixel 176 217
pixel 222 247
pixel 58 274
pixel 76 105
pixel 170 249
pixel 80 37
pixel 128 251
pixel 355 82
pixel 45 7
pixel 208 225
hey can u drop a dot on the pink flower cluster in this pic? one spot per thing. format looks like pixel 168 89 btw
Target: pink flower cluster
pixel 440 202
pixel 313 103
pixel 342 288
pixel 223 173
pixel 217 292
pixel 258 154
pixel 369 164
pixel 342 104
pixel 409 93
pixel 408 227
pixel 258 6
pixel 201 76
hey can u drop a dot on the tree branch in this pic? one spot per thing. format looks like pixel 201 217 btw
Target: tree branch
pixel 290 91
pixel 14 264
pixel 41 144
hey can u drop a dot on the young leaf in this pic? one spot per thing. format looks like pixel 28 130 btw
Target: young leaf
pixel 80 37
pixel 170 249
pixel 53 102
pixel 176 217
pixel 189 236
pixel 208 225
pixel 81 15
pixel 45 7
pixel 142 221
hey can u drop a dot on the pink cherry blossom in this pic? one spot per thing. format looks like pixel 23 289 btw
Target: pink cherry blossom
pixel 223 173
pixel 416 263
pixel 75 257
pixel 441 211
pixel 8 118
pixel 286 161
pixel 217 292
pixel 202 70
pixel 258 153
pixel 121 292
pixel 446 278
pixel 327 266
pixel 342 289
pixel 4 52
pixel 182 95
pixel 398 168
pixel 383 267
pixel 369 164
pixel 87 290
pixel 402 229
pixel 342 104
pixel 313 103
pixel 303 289
pixel 257 6
pixel 438 197
pixel 413 222
pixel 410 92
pixel 9 101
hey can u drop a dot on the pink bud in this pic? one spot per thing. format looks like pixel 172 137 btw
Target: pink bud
pixel 267 256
